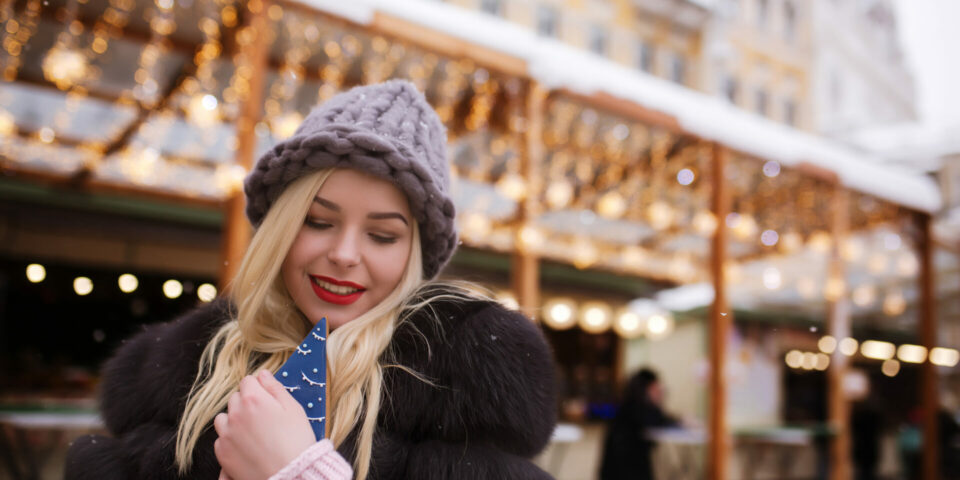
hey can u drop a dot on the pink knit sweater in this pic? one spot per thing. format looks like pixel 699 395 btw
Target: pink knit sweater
pixel 319 462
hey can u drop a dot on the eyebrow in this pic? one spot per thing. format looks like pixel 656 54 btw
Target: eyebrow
pixel 374 216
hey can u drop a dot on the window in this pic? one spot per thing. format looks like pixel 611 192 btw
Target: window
pixel 760 101
pixel 645 56
pixel 730 88
pixel 763 9
pixel 598 40
pixel 678 69
pixel 790 112
pixel 547 21
pixel 493 7
pixel 789 21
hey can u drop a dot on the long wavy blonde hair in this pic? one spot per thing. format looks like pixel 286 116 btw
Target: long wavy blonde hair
pixel 267 328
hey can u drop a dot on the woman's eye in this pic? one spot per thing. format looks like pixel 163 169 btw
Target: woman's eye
pixel 317 224
pixel 384 239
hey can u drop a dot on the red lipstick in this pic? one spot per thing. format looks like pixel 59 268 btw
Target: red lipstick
pixel 335 298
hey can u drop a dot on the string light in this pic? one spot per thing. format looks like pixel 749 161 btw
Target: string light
pixel 848 346
pixel 127 283
pixel 890 367
pixel 944 357
pixel 172 289
pixel 560 313
pixel 911 353
pixel 206 292
pixel 595 317
pixel 36 273
pixel 827 344
pixel 82 286
pixel 877 350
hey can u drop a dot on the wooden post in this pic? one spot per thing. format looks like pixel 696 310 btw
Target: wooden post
pixel 838 326
pixel 254 53
pixel 718 448
pixel 928 337
pixel 525 271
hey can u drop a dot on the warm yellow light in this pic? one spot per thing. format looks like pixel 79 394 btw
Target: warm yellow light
pixel 890 368
pixel 8 124
pixel 835 288
pixel 64 66
pixel 611 205
pixel 512 186
pixel 820 241
pixel 595 317
pixel 228 179
pixel 82 285
pixel 560 313
pixel 633 256
pixel 877 263
pixel 202 110
pixel 827 344
pixel 848 346
pixel 660 215
pixel 852 250
pixel 746 227
pixel 864 295
pixel 628 324
pixel 705 223
pixel 559 194
pixel 46 135
pixel 790 242
pixel 531 238
pixel 877 350
pixel 944 357
pixel 794 358
pixel 584 253
pixel 476 226
pixel 172 289
pixel 809 361
pixel 36 273
pixel 127 283
pixel 206 292
pixel 659 325
pixel 907 264
pixel 894 303
pixel 912 353
pixel 286 125
pixel 822 362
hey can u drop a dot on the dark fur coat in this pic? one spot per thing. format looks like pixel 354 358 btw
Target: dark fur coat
pixel 492 407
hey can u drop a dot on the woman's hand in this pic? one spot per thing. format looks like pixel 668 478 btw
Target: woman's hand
pixel 264 429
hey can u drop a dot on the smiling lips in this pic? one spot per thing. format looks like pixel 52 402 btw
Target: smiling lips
pixel 336 291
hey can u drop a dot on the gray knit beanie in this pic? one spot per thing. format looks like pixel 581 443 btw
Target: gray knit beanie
pixel 387 130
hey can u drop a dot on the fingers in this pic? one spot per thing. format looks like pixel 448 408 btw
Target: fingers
pixel 220 424
pixel 276 389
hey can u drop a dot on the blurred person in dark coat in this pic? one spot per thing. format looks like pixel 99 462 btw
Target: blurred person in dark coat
pixel 627 452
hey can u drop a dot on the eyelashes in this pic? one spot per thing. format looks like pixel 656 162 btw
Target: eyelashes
pixel 376 237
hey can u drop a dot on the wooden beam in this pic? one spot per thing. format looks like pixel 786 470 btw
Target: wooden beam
pixel 237 230
pixel 525 268
pixel 721 319
pixel 13 171
pixel 626 108
pixel 839 326
pixel 929 392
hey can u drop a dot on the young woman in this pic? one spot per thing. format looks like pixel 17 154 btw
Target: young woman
pixel 353 217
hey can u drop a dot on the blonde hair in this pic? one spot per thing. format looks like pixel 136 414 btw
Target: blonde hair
pixel 267 328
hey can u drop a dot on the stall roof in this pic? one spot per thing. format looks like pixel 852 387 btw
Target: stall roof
pixel 560 66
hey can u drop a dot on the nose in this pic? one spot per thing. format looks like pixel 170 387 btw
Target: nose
pixel 344 252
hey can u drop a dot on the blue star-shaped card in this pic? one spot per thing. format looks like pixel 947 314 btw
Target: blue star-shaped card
pixel 304 375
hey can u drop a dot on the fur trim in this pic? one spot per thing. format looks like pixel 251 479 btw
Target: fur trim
pixel 491 405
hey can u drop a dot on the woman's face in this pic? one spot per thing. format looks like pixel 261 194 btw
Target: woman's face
pixel 352 249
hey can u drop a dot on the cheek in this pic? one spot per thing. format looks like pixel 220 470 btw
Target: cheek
pixel 391 264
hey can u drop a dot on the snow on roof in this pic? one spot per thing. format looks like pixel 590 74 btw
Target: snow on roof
pixel 557 65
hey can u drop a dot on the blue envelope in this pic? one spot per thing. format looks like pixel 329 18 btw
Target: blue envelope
pixel 304 375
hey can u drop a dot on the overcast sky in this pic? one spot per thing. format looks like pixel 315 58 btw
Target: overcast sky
pixel 930 32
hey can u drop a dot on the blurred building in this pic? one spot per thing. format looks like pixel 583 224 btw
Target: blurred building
pixel 828 67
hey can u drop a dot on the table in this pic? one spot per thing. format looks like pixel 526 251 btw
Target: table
pixel 679 453
pixel 22 460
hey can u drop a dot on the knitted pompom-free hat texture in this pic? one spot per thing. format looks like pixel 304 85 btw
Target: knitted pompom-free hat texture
pixel 387 130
